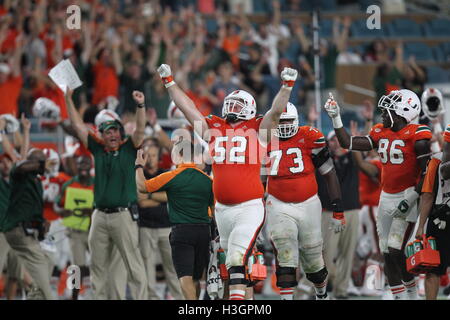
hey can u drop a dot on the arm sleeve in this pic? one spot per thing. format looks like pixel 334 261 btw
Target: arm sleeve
pixel 430 177
pixel 374 133
pixel 422 133
pixel 446 133
pixel 160 183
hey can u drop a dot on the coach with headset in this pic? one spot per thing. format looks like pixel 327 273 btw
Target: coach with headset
pixel 115 198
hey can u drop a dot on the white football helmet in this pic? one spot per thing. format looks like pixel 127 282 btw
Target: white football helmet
pixel 53 155
pixel 432 103
pixel 173 112
pixel 46 109
pixel 404 103
pixel 288 129
pixel 12 124
pixel 106 115
pixel 239 103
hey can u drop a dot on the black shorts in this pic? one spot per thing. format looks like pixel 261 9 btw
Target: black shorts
pixel 442 243
pixel 190 249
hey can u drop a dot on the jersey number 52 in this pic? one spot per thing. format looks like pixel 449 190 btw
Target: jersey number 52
pixel 390 152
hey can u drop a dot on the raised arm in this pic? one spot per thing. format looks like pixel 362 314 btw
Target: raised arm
pixel 272 117
pixel 360 143
pixel 6 145
pixel 75 118
pixel 141 159
pixel 183 102
pixel 139 133
pixel 26 136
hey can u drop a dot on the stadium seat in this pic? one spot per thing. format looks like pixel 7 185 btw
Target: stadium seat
pixel 403 28
pixel 363 4
pixel 292 51
pixel 437 75
pixel 445 47
pixel 421 51
pixel 323 5
pixel 326 28
pixel 358 29
pixel 437 28
pixel 438 53
pixel 262 6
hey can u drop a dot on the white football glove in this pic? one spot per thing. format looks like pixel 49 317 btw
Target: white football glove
pixel 332 108
pixel 404 207
pixel 12 124
pixel 166 75
pixel 338 222
pixel 289 75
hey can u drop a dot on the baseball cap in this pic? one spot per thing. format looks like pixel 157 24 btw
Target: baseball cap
pixel 108 125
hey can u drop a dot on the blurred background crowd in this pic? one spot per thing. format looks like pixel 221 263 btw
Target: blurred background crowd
pixel 215 47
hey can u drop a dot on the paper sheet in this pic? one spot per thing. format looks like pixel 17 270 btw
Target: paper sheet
pixel 64 75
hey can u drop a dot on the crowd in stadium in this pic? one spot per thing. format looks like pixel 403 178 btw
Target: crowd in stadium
pixel 211 49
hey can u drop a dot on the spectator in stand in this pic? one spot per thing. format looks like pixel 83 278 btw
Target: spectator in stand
pixel 11 79
pixel 377 51
pixel 414 76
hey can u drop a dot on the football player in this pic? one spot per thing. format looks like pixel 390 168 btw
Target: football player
pixel 293 206
pixel 404 150
pixel 234 144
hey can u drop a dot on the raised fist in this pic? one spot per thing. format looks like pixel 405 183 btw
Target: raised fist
pixel 331 107
pixel 164 71
pixel 166 75
pixel 288 76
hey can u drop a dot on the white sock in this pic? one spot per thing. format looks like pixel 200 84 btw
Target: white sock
pixel 237 294
pixel 411 289
pixel 398 292
pixel 286 293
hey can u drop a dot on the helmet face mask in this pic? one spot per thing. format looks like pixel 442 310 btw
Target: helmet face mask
pixel 288 125
pixel 239 105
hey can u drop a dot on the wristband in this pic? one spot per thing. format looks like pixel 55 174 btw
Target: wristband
pixel 337 122
pixel 138 166
pixel 141 105
pixel 338 215
pixel 168 81
pixel 288 83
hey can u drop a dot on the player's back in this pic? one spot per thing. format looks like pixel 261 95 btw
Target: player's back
pixel 292 172
pixel 236 154
pixel 398 156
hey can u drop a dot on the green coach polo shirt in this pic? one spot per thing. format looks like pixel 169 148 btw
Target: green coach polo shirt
pixel 26 200
pixel 115 180
pixel 189 193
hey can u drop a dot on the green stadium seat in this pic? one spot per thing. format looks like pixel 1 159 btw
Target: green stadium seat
pixel 404 28
pixel 421 51
pixel 437 28
pixel 358 29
